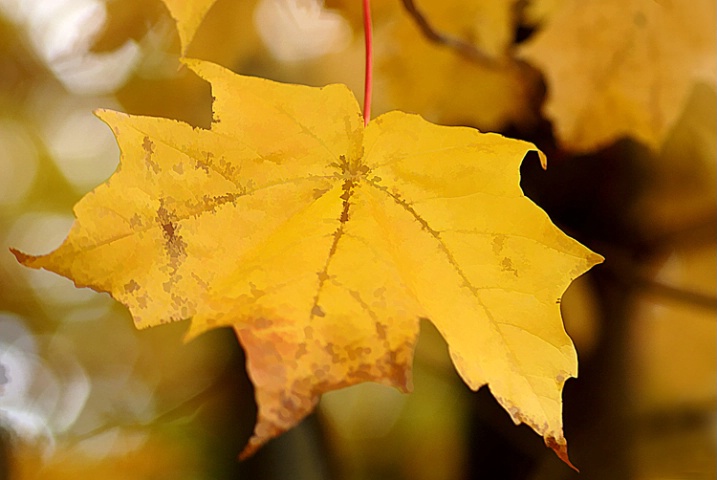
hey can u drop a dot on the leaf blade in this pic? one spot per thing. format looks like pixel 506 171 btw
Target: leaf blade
pixel 323 259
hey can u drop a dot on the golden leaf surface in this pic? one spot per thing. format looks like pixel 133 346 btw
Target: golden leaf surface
pixel 322 242
pixel 619 68
pixel 188 14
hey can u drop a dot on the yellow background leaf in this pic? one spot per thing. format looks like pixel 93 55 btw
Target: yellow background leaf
pixel 412 72
pixel 162 87
pixel 322 243
pixel 623 68
pixel 487 23
pixel 415 72
pixel 189 15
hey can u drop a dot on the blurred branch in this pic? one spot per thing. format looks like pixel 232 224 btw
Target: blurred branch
pixel 625 269
pixel 699 232
pixel 677 419
pixel 696 299
pixel 465 49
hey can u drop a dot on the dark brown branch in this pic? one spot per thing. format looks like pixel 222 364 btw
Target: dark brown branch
pixel 681 419
pixel 628 270
pixel 465 49
pixel 696 299
pixel 698 233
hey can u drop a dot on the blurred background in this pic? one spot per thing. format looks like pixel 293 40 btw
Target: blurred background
pixel 85 395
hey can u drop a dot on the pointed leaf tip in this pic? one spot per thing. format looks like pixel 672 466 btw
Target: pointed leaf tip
pixel 21 257
pixel 543 160
pixel 561 450
pixel 189 15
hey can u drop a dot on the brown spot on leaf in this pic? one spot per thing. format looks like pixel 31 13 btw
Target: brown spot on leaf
pixel 498 244
pixel 506 265
pixel 395 368
pixel 309 333
pixel 255 292
pixel 175 245
pixel 381 331
pixel 142 301
pixel 149 162
pixel 131 286
pixel 136 221
pixel 319 192
pixel 301 350
pixel 336 353
pixel 206 163
pixel 168 230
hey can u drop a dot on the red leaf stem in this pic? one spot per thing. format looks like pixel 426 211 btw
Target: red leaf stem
pixel 368 79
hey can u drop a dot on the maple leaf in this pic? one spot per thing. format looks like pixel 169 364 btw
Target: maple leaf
pixel 322 242
pixel 488 24
pixel 536 12
pixel 622 67
pixel 498 94
pixel 227 37
pixel 188 14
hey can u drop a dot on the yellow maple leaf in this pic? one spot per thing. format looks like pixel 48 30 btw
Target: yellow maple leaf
pixel 619 68
pixel 322 242
pixel 442 85
pixel 414 71
pixel 535 12
pixel 188 15
pixel 488 24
